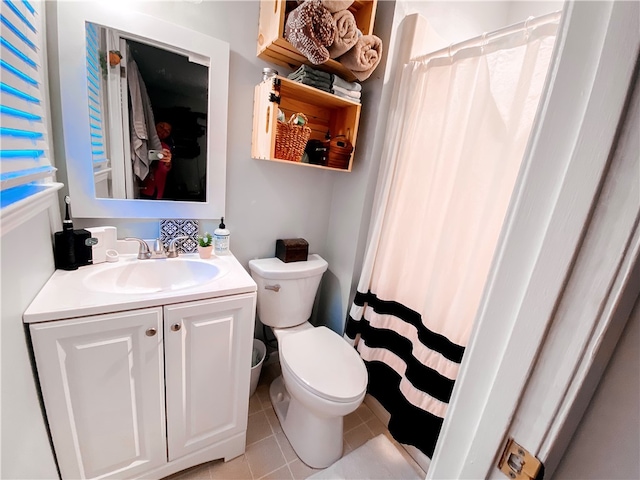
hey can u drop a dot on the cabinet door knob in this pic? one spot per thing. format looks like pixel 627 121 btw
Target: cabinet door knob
pixel 151 332
pixel 175 327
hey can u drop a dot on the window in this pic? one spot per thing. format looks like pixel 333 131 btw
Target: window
pixel 24 139
pixel 94 84
pixel 97 65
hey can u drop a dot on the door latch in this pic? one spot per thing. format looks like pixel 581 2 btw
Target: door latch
pixel 519 464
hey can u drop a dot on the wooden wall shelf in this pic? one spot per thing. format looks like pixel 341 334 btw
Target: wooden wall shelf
pixel 325 112
pixel 273 47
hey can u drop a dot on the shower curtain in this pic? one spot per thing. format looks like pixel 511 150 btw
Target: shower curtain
pixel 458 131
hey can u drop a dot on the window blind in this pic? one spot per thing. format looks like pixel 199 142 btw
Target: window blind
pixel 94 87
pixel 24 142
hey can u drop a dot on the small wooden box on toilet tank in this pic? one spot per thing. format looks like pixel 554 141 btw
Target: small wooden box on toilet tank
pixel 292 249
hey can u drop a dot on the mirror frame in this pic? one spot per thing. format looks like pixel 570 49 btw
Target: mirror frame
pixel 72 68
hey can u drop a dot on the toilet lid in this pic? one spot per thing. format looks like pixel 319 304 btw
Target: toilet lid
pixel 325 363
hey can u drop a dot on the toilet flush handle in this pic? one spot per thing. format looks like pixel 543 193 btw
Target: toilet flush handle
pixel 275 288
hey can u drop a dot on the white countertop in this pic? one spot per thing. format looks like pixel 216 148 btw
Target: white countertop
pixel 65 296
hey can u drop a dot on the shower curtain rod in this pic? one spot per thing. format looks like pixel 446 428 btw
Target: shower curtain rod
pixel 486 38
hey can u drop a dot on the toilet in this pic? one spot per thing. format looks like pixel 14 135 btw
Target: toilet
pixel 323 377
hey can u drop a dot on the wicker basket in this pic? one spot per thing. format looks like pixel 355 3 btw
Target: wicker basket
pixel 291 139
pixel 340 149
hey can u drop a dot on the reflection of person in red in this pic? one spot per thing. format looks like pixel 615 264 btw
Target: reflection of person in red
pixel 153 185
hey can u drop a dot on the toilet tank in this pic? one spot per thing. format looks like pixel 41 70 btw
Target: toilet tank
pixel 286 291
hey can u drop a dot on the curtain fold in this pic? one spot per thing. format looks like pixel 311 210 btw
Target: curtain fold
pixel 457 135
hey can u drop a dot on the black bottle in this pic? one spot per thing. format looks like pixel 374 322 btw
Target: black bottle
pixel 64 243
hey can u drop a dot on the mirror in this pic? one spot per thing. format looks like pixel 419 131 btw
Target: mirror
pixel 160 106
pixel 144 108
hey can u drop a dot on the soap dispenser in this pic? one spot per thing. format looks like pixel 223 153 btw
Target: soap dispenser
pixel 64 243
pixel 221 239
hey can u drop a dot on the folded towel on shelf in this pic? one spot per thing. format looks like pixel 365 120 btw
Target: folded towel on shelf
pixel 336 5
pixel 347 97
pixel 346 33
pixel 344 92
pixel 311 76
pixel 364 56
pixel 307 70
pixel 319 86
pixel 337 81
pixel 311 28
pixel 313 82
pixel 327 82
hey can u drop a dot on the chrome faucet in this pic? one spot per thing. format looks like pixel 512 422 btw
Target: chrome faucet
pixel 172 252
pixel 143 252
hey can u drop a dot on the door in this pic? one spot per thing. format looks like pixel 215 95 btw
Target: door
pixel 103 390
pixel 118 112
pixel 566 260
pixel 208 364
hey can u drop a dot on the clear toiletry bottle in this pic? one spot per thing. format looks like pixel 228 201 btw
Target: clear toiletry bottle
pixel 221 239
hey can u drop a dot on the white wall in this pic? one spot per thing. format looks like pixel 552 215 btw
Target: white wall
pixel 520 11
pixel 27 263
pixel 607 441
pixel 457 21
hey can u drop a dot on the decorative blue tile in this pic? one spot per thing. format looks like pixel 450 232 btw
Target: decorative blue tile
pixel 172 228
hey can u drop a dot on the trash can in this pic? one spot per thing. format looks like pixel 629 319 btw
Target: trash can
pixel 257 358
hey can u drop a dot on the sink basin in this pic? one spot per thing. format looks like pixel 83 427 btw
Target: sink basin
pixel 151 276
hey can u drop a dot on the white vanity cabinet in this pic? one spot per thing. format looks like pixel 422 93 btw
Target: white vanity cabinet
pixel 102 381
pixel 147 392
pixel 207 366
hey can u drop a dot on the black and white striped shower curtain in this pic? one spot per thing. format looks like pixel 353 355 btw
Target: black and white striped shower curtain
pixel 457 135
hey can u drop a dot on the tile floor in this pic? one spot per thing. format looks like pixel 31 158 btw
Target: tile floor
pixel 269 455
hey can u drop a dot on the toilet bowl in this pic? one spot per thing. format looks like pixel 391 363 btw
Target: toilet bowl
pixel 323 377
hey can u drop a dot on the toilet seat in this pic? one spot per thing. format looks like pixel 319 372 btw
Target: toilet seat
pixel 325 364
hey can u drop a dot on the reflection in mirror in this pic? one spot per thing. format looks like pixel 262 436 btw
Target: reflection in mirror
pixel 161 106
pixel 144 112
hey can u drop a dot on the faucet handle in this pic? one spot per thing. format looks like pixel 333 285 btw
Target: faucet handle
pixel 173 250
pixel 159 247
pixel 143 250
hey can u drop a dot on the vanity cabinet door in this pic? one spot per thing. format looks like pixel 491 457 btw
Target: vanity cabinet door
pixel 208 365
pixel 102 383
